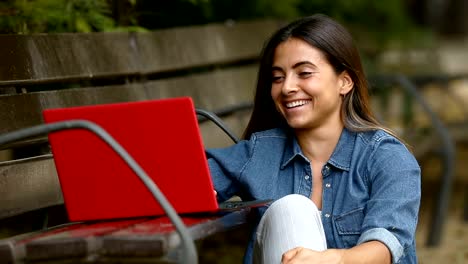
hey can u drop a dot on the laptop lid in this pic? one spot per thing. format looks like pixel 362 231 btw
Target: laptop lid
pixel 161 135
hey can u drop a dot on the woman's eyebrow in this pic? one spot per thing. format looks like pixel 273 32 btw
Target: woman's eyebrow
pixel 296 65
pixel 276 68
pixel 301 63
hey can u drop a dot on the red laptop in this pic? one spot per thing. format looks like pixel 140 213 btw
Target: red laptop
pixel 161 135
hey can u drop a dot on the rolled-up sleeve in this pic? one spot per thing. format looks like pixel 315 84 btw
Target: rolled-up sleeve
pixel 392 210
pixel 387 238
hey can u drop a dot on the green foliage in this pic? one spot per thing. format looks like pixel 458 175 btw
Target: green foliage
pixel 221 10
pixel 375 23
pixel 31 16
pixel 378 23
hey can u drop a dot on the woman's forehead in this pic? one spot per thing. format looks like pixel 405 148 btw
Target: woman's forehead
pixel 293 51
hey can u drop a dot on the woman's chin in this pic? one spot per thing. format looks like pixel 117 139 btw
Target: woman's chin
pixel 298 125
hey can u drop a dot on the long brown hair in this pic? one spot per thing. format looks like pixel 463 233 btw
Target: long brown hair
pixel 337 45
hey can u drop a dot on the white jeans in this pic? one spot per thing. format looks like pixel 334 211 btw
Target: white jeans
pixel 289 222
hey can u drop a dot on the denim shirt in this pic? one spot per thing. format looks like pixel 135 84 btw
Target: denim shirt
pixel 371 185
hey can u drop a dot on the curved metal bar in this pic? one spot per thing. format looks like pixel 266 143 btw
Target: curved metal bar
pixel 190 255
pixel 215 119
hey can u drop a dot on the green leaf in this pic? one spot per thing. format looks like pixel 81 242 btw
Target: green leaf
pixel 82 25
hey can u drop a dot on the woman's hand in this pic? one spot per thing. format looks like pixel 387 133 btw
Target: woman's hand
pixel 373 252
pixel 304 255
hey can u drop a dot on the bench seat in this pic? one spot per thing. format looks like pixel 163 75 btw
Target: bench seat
pixel 132 240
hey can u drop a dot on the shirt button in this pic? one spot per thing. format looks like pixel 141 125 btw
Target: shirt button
pixel 306 177
pixel 328 185
pixel 325 170
pixel 327 215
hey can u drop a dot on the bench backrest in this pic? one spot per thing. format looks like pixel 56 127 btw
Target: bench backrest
pixel 214 64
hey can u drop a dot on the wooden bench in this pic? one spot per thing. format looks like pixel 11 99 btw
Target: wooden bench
pixel 133 240
pixel 213 64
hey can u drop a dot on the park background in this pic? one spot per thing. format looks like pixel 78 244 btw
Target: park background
pixel 413 37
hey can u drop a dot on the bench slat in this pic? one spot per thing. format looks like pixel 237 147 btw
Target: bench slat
pixel 28 185
pixel 174 49
pixel 25 110
pixel 212 90
pixel 71 240
pixel 43 58
pixel 52 57
pixel 77 241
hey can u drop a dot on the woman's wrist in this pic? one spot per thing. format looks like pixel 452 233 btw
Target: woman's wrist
pixel 341 254
pixel 337 256
pixel 370 252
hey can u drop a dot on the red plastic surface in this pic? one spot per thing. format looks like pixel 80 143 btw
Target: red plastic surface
pixel 161 135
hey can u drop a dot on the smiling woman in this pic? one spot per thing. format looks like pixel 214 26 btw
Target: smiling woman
pixel 346 188
pixel 305 88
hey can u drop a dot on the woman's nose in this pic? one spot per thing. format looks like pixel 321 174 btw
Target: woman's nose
pixel 289 86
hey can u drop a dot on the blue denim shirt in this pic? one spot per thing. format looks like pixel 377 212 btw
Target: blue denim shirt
pixel 371 185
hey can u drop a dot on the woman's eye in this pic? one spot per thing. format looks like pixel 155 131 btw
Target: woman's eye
pixel 277 79
pixel 305 74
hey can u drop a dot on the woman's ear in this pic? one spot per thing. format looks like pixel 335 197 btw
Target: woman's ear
pixel 346 83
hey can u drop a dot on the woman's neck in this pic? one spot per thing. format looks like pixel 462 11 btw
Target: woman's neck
pixel 318 144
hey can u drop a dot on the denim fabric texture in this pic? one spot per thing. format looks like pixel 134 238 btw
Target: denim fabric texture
pixel 371 185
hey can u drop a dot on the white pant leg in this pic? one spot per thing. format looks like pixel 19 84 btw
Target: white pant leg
pixel 289 222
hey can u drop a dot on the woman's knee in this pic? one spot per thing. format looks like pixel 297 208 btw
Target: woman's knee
pixel 291 204
pixel 290 212
pixel 291 221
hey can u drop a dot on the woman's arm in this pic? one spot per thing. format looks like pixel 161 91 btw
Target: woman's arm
pixel 225 166
pixel 373 252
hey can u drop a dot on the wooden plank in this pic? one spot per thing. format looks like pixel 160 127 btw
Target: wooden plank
pixel 212 90
pixel 49 57
pixel 28 184
pixel 153 238
pixel 137 241
pixel 181 48
pixel 25 110
pixel 56 57
pixel 77 241
pixel 132 239
pixel 70 240
pixel 12 249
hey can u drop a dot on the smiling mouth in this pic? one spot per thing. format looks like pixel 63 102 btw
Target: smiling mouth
pixel 297 103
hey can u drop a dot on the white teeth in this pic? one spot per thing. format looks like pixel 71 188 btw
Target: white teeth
pixel 297 103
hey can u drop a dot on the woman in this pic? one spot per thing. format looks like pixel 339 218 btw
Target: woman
pixel 312 134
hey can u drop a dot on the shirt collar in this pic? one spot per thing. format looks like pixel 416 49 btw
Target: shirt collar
pixel 291 151
pixel 340 158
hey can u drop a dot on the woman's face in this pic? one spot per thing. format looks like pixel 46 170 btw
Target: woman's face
pixel 305 88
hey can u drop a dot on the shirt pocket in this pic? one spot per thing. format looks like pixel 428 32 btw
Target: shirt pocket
pixel 349 226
